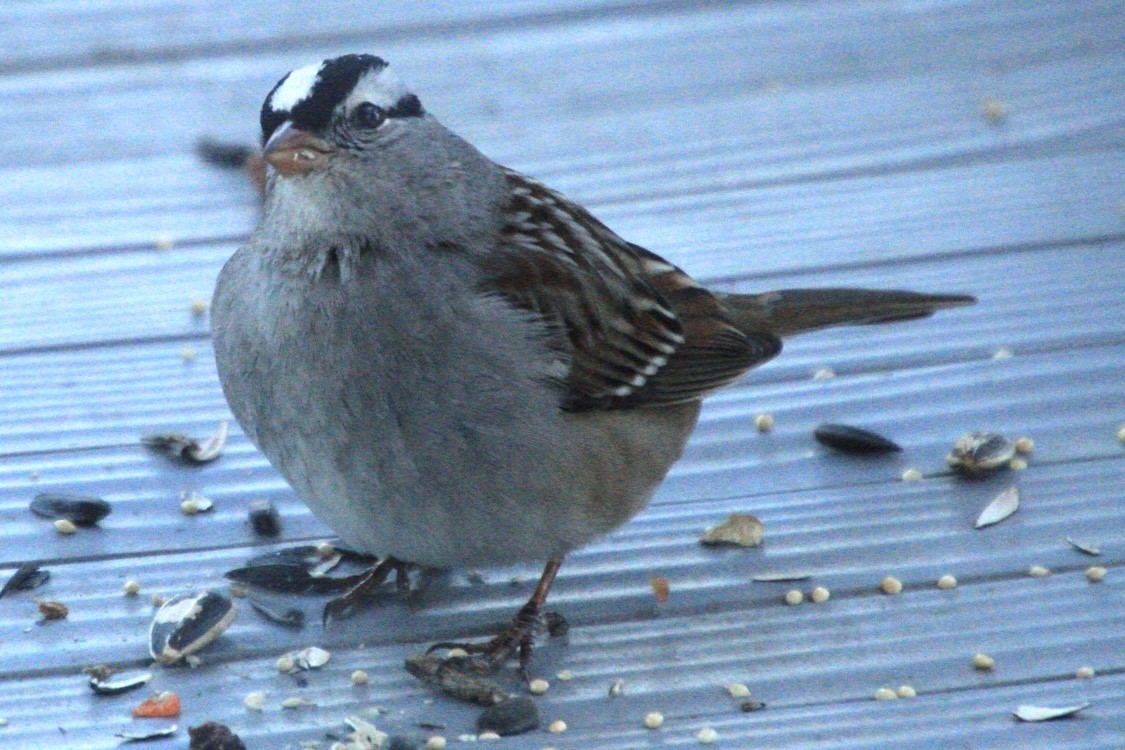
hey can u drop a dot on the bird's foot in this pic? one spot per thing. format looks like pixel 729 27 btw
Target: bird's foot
pixel 345 604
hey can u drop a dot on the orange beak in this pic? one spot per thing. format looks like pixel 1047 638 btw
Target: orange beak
pixel 292 151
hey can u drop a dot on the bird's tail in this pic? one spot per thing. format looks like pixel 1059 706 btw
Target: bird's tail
pixel 789 311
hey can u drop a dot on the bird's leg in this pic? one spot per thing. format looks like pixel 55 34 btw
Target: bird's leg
pixel 520 637
pixel 375 575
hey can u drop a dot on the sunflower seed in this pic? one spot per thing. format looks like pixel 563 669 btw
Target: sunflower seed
pixel 1002 506
pixel 28 576
pixel 848 439
pixel 189 449
pixel 78 509
pixel 141 735
pixel 978 453
pixel 186 623
pixel 1046 713
pixel 102 685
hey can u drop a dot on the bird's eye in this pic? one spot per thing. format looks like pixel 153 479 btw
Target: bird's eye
pixel 367 115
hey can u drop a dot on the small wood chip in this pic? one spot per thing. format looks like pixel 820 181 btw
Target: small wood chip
pixel 764 422
pixel 1095 573
pixel 660 588
pixel 1046 713
pixel 740 529
pixel 891 585
pixel 52 610
pixel 1002 506
pixel 947 582
pixel 654 720
pixel 1082 546
pixel 983 662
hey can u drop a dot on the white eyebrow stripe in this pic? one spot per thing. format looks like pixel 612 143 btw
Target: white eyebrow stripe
pixel 295 88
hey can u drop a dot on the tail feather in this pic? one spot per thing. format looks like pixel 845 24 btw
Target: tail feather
pixel 789 311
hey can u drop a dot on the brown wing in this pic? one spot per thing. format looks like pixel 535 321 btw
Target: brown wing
pixel 631 328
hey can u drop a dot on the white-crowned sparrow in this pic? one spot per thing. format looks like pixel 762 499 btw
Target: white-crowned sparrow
pixel 453 364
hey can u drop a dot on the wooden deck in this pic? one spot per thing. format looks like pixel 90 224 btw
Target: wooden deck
pixel 974 147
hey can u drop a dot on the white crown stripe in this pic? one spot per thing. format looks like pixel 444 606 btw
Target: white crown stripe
pixel 296 87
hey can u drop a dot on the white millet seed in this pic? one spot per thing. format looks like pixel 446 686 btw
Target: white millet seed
pixel 947 582
pixel 764 422
pixel 885 694
pixel 911 475
pixel 556 726
pixel 187 354
pixel 1095 573
pixel 654 720
pixel 65 526
pixel 538 686
pixel 1085 673
pixel 285 663
pixel 164 242
pixel 564 675
pixel 707 736
pixel 359 677
pixel 1024 446
pixel 456 653
pixel 819 595
pixel 1003 353
pixel 486 736
pixel 131 587
pixel 437 742
pixel 983 662
pixel 794 597
pixel 824 373
pixel 1038 571
pixel 325 550
pixel 738 690
pixel 293 702
pixel 255 701
pixel 906 691
pixel 1017 464
pixel 891 585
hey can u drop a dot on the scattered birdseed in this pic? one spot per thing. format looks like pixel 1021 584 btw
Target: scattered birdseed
pixel 456 653
pixel 193 504
pixel 853 440
pixel 819 595
pixel 264 518
pixel 101 683
pixel 1002 506
pixel 187 354
pixel 1081 546
pixel 325 549
pixel 891 585
pixel 446 676
pixel 163 242
pixel 286 663
pixel 978 453
pixel 52 610
pixel 654 720
pixel 740 529
pixel 437 742
pixel 359 677
pixel 885 694
pixel 906 691
pixel 557 726
pixel 163 705
pixel 1038 571
pixel 364 734
pixel 794 597
pixel 198 306
pixel 1046 713
pixel 293 702
pixel 1024 446
pixel 983 662
pixel 65 526
pixel 660 588
pixel 1095 573
pixel 1002 353
pixel 80 510
pixel 565 675
pixel 255 701
pixel 187 623
pixel 616 688
pixel 28 576
pixel 738 690
pixel 994 111
pixel 751 706
pixel 538 686
pixel 824 373
pixel 1017 464
pixel 911 475
pixel 486 736
pixel 1085 673
pixel 764 422
pixel 1121 434
pixel 947 582
pixel 707 736
pixel 131 587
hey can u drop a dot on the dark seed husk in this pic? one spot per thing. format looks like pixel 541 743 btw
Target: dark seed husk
pixel 978 453
pixel 189 449
pixel 289 579
pixel 750 706
pixel 264 518
pixel 28 576
pixel 450 677
pixel 513 716
pixel 106 686
pixel 290 618
pixel 78 509
pixel 848 439
pixel 188 622
pixel 141 735
pixel 214 736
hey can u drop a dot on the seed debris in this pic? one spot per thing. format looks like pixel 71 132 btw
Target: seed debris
pixel 193 503
pixel 538 686
pixel 1095 573
pixel 794 597
pixel 255 701
pixel 131 587
pixel 1038 571
pixel 359 677
pixel 738 690
pixel 891 585
pixel 885 694
pixel 983 662
pixel 654 720
pixel 764 423
pixel 28 576
pixel 565 675
pixel 707 736
pixel 1024 446
pixel 660 588
pixel 741 529
pixel 65 526
pixel 1085 673
pixel 437 742
pixel 557 726
pixel 616 688
pixel 189 449
pixel 854 440
pixel 906 691
pixel 911 475
pixel 823 373
pixel 819 595
pixel 52 610
pixel 1046 713
pixel 1002 506
pixel 1081 546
